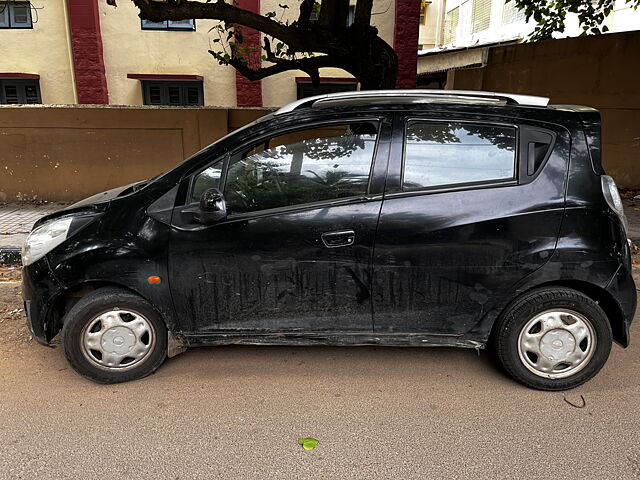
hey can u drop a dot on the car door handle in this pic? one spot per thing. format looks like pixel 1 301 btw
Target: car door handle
pixel 343 238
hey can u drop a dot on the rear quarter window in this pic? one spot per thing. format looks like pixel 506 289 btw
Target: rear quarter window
pixel 439 154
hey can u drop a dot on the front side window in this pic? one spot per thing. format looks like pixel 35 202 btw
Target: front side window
pixel 317 164
pixel 451 153
pixel 15 15
pixel 186 93
pixel 19 91
pixel 208 178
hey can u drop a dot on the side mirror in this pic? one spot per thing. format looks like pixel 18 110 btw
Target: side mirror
pixel 212 207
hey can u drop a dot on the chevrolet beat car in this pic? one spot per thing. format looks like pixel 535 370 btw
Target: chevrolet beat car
pixel 405 218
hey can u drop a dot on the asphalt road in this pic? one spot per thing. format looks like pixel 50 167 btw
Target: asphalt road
pixel 237 412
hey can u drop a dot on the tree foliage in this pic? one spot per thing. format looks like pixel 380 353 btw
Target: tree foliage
pixel 551 15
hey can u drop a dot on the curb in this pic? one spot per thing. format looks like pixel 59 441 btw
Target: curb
pixel 10 256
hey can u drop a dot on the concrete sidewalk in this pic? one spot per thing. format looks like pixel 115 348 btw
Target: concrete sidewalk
pixel 16 221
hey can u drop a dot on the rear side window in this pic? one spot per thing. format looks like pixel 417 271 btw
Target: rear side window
pixel 455 153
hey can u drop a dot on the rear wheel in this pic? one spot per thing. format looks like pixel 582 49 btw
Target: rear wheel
pixel 112 336
pixel 553 339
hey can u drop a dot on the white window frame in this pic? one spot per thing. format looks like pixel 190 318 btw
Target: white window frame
pixel 169 25
pixel 8 16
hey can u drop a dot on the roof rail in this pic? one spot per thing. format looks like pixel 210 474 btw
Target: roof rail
pixel 409 95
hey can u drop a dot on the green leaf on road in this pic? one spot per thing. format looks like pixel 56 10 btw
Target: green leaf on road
pixel 308 443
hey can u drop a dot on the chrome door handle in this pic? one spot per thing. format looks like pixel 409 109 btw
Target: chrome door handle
pixel 343 238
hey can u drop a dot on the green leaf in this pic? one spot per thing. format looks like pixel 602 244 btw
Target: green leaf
pixel 308 443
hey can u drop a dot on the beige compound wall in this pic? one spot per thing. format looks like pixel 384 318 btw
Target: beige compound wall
pixel 43 50
pixel 67 153
pixel 598 71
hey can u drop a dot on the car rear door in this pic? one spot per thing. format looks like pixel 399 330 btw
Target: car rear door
pixel 471 208
pixel 294 254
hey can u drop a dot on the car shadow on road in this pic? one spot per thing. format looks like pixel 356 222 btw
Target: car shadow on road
pixel 345 363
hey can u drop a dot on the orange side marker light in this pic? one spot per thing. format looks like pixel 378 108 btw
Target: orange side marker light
pixel 154 279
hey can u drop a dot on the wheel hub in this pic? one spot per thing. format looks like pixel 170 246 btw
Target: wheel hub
pixel 118 340
pixel 557 345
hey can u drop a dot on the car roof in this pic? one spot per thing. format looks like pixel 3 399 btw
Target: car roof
pixel 412 97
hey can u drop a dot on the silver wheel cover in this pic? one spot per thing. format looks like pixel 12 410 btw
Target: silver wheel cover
pixel 118 340
pixel 557 343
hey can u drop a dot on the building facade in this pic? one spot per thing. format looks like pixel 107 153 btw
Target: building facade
pixel 458 34
pixel 454 24
pixel 85 51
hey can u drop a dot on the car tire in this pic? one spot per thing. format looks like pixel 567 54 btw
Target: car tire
pixel 553 338
pixel 112 335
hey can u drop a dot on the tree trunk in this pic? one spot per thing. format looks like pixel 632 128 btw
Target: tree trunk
pixel 375 62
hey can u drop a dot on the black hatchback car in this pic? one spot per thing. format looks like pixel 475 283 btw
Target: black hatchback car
pixel 408 218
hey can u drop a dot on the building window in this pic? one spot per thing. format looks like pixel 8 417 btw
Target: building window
pixel 451 19
pixel 510 14
pixel 14 91
pixel 15 15
pixel 423 13
pixel 351 15
pixel 480 15
pixel 189 24
pixel 307 89
pixel 185 93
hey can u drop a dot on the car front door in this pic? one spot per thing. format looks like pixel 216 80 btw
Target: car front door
pixel 472 207
pixel 294 252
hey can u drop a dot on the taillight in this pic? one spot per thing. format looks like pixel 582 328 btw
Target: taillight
pixel 611 195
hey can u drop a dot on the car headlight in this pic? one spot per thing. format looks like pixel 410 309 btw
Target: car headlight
pixel 44 239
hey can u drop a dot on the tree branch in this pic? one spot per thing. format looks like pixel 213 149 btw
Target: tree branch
pixel 158 11
pixel 307 65
pixel 306 7
pixel 363 12
pixel 333 14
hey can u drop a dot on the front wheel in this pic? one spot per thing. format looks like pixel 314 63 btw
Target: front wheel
pixel 553 339
pixel 112 335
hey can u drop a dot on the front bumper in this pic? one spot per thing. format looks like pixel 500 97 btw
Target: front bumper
pixel 40 289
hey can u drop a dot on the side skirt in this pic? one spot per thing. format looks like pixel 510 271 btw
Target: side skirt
pixel 335 339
